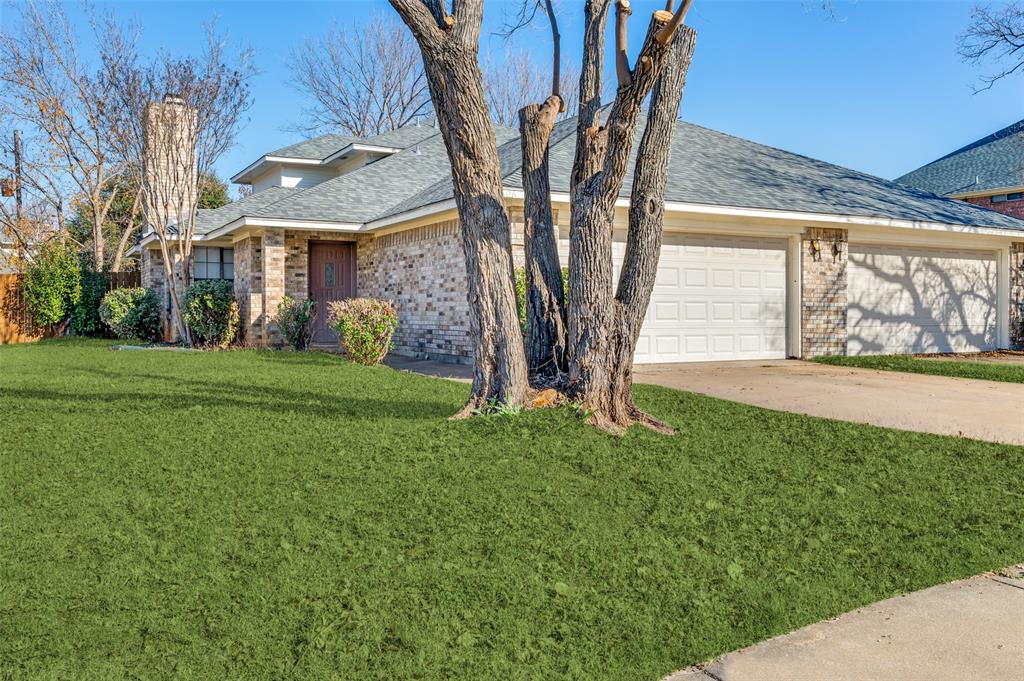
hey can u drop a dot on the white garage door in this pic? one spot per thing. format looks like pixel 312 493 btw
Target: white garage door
pixel 716 298
pixel 909 300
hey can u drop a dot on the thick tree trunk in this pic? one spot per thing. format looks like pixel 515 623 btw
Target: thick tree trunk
pixel 646 224
pixel 545 295
pixel 601 337
pixel 449 44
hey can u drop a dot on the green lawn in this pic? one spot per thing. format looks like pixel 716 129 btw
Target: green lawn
pixel 255 515
pixel 989 371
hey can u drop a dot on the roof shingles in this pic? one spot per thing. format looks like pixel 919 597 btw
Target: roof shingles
pixel 707 168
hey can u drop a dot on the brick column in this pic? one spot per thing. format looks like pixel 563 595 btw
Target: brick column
pixel 1017 294
pixel 248 293
pixel 824 292
pixel 273 283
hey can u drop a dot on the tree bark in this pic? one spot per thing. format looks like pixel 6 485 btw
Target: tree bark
pixel 545 294
pixel 449 44
pixel 602 156
pixel 646 224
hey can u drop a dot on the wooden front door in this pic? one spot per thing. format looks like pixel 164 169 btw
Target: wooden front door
pixel 332 276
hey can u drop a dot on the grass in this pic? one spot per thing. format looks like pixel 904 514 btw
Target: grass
pixel 254 515
pixel 989 371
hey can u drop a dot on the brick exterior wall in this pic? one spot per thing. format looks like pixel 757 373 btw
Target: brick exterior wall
pixel 423 271
pixel 824 286
pixel 1014 208
pixel 1017 294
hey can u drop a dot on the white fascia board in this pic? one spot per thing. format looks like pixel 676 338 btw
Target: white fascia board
pixel 368 148
pixel 305 225
pixel 415 214
pixel 680 208
pixel 986 192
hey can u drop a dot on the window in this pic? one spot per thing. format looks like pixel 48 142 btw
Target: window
pixel 213 263
pixel 999 198
pixel 1002 198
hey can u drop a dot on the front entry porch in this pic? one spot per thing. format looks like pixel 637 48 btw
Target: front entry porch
pixel 273 263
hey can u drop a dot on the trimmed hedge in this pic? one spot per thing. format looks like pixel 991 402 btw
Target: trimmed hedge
pixel 132 313
pixel 211 312
pixel 366 327
pixel 295 319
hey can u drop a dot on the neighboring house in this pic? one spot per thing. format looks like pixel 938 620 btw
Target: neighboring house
pixel 766 254
pixel 989 172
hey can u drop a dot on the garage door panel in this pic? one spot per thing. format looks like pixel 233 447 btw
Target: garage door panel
pixel 729 301
pixel 909 300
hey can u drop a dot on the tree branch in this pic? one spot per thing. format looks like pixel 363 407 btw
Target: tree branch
pixel 622 70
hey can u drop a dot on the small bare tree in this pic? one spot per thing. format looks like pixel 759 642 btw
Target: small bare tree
pixel 42 189
pixel 995 34
pixel 65 104
pixel 361 80
pixel 179 117
pixel 515 79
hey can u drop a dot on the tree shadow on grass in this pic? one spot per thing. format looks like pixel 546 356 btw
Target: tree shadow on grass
pixel 361 408
pixel 186 393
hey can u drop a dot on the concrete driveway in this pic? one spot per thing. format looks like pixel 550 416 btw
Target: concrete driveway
pixel 983 410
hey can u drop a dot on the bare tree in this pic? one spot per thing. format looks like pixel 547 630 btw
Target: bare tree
pixel 362 80
pixel 180 116
pixel 995 34
pixel 48 88
pixel 515 79
pixel 45 191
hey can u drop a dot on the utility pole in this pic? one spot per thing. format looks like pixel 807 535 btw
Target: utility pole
pixel 17 176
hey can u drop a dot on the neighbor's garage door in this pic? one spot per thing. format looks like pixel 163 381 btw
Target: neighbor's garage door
pixel 716 298
pixel 908 300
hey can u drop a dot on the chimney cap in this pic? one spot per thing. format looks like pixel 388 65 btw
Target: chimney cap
pixel 173 98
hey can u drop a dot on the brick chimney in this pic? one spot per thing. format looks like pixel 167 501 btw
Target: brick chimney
pixel 169 160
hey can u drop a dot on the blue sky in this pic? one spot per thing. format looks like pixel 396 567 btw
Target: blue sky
pixel 880 89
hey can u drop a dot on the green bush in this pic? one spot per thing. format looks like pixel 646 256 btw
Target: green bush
pixel 132 313
pixel 295 319
pixel 366 327
pixel 85 318
pixel 211 312
pixel 521 293
pixel 52 285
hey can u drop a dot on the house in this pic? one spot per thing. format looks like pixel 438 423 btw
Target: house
pixel 988 172
pixel 767 254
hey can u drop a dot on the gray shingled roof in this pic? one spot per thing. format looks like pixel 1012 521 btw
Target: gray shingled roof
pixel 373 190
pixel 323 146
pixel 993 162
pixel 315 149
pixel 210 219
pixel 716 169
pixel 708 168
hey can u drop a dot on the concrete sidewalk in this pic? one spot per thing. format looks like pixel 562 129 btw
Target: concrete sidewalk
pixel 963 631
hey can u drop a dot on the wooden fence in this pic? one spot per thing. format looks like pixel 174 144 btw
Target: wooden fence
pixel 16 324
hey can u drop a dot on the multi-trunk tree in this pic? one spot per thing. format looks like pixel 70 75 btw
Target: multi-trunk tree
pixel 582 344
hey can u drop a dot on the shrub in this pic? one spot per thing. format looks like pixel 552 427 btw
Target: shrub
pixel 520 282
pixel 295 319
pixel 85 318
pixel 366 326
pixel 52 286
pixel 132 313
pixel 211 312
